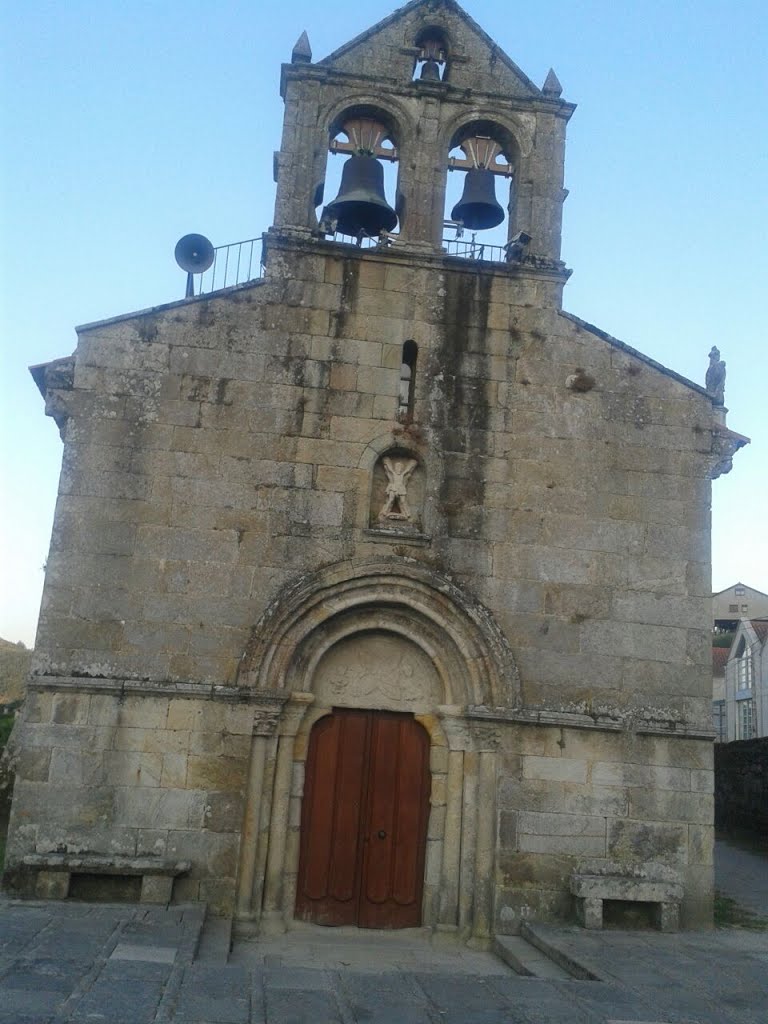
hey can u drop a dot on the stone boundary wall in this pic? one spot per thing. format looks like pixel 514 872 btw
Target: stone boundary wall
pixel 741 784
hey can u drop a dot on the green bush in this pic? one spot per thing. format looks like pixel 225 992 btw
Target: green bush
pixel 6 724
pixel 722 639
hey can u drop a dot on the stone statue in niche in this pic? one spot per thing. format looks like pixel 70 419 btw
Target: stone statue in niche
pixel 397 492
pixel 398 471
pixel 715 379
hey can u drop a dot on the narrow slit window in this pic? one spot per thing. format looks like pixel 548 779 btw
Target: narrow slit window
pixel 407 381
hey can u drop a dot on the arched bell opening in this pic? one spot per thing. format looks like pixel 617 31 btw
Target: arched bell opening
pixel 480 187
pixel 432 60
pixel 357 199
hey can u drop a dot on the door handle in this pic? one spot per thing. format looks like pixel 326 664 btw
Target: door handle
pixel 382 834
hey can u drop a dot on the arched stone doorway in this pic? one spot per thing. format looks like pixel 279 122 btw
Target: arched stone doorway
pixel 377 637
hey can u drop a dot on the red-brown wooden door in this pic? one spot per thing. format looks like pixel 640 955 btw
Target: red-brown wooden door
pixel 364 821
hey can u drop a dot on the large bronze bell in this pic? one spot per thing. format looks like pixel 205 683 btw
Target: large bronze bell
pixel 430 71
pixel 360 204
pixel 477 209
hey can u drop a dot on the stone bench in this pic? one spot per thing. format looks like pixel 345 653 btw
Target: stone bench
pixel 54 871
pixel 591 890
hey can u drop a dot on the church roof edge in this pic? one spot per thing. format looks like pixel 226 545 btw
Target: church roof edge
pixel 617 343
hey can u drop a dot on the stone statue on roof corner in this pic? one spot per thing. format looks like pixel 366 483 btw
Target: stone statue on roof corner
pixel 715 379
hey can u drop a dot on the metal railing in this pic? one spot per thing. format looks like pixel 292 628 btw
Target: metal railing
pixel 384 241
pixel 241 262
pixel 453 242
pixel 473 250
pixel 233 264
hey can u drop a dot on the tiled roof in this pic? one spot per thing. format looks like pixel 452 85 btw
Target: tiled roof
pixel 760 626
pixel 719 593
pixel 719 658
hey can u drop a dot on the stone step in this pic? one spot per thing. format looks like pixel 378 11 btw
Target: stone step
pixel 526 959
pixel 550 941
pixel 215 940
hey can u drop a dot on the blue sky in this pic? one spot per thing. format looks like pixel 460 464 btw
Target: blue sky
pixel 129 126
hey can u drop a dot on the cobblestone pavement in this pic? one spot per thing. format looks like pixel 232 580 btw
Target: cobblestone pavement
pixel 741 871
pixel 126 964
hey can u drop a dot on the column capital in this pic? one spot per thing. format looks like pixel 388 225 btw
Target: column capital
pixel 293 712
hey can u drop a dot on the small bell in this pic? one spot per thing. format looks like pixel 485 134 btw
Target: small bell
pixel 477 209
pixel 361 205
pixel 430 71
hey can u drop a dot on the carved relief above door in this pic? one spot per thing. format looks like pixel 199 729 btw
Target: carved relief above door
pixel 364 821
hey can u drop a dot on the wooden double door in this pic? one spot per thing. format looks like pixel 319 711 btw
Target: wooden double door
pixel 364 821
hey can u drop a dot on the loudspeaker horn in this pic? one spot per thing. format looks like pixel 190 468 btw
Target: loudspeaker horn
pixel 194 253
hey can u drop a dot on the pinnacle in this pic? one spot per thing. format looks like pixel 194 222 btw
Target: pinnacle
pixel 552 85
pixel 302 51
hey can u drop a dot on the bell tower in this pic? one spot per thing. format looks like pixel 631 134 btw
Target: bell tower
pixel 427 92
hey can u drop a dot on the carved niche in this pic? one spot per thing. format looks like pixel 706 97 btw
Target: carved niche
pixel 397 492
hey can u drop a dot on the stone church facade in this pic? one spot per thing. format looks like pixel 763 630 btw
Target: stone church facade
pixel 378 590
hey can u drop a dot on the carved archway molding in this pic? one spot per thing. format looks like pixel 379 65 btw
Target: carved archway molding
pixel 475 670
pixel 458 633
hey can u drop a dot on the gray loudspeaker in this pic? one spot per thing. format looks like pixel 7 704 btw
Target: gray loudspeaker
pixel 194 253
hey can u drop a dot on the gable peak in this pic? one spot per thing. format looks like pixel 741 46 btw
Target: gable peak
pixel 403 27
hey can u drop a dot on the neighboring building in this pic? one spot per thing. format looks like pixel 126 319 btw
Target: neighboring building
pixel 736 603
pixel 746 681
pixel 364 596
pixel 719 711
pixel 729 608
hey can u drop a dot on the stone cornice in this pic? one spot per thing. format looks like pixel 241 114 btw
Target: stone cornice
pixel 276 699
pixel 601 723
pixel 157 688
pixel 443 90
pixel 403 252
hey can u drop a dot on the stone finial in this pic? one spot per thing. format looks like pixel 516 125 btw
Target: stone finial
pixel 552 85
pixel 715 379
pixel 302 51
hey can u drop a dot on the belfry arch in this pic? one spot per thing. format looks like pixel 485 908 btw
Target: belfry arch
pixel 380 636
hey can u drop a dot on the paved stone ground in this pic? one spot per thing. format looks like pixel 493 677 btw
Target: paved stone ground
pixel 126 964
pixel 741 871
pixel 91 964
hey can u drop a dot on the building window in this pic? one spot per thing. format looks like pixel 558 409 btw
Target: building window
pixel 407 392
pixel 719 721
pixel 743 666
pixel 745 607
pixel 746 720
pixel 733 608
pixel 739 591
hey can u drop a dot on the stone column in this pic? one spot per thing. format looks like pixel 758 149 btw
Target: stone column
pixel 456 733
pixel 485 849
pixel 486 739
pixel 264 725
pixel 274 912
pixel 468 843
